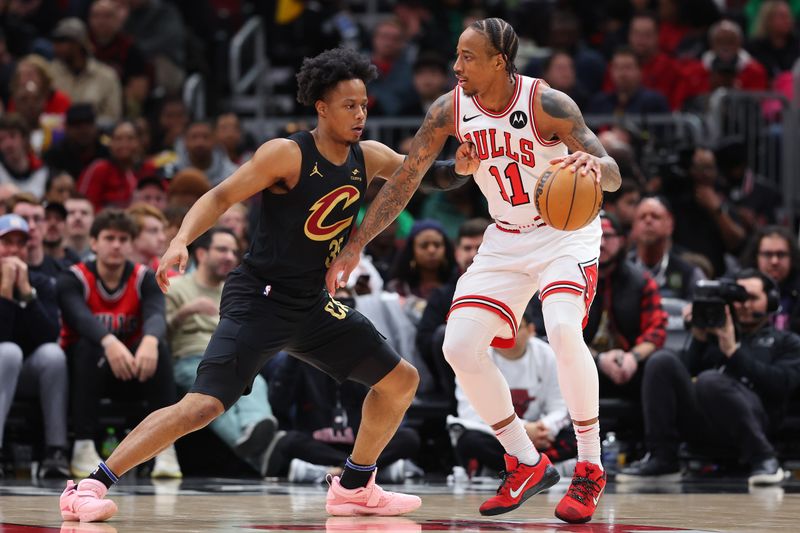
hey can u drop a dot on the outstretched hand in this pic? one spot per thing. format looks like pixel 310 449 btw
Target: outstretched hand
pixel 176 255
pixel 341 268
pixel 467 160
pixel 581 162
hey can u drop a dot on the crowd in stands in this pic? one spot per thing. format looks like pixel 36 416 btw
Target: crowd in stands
pixel 100 159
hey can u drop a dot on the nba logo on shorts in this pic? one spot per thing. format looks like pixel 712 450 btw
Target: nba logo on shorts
pixel 267 289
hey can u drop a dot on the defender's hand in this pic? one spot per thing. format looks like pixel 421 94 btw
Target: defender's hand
pixel 467 160
pixel 581 162
pixel 341 268
pixel 176 254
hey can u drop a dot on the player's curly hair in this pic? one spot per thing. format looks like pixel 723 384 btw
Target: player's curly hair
pixel 502 38
pixel 319 74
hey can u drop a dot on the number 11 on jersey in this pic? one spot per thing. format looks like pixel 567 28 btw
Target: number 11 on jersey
pixel 512 174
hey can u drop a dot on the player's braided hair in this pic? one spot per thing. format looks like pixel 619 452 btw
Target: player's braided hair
pixel 320 73
pixel 502 37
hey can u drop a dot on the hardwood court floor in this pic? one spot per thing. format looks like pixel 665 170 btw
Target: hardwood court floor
pixel 254 506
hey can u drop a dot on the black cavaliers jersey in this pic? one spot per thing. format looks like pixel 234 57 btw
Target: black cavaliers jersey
pixel 301 232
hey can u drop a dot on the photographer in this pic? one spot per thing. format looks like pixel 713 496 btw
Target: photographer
pixel 745 370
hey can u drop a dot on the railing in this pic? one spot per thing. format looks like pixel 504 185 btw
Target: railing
pixel 767 124
pixel 194 96
pixel 249 86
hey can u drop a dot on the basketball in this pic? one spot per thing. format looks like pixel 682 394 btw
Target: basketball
pixel 566 200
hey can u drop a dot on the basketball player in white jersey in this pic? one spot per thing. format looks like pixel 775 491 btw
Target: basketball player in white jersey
pixel 518 126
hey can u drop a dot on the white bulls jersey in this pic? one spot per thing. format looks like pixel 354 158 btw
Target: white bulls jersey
pixel 513 154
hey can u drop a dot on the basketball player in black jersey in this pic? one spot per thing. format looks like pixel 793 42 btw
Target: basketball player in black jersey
pixel 312 185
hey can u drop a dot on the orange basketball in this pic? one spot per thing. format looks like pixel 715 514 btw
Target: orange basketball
pixel 566 200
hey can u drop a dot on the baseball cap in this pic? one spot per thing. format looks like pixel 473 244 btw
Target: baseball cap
pixel 10 223
pixel 56 207
pixel 72 29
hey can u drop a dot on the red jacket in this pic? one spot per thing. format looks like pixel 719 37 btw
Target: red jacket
pixel 107 185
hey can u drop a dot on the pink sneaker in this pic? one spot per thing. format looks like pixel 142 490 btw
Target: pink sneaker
pixel 85 502
pixel 369 500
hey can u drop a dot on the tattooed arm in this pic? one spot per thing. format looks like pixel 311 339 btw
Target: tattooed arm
pixel 563 119
pixel 397 191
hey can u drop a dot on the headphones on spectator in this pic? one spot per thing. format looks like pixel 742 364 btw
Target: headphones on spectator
pixel 773 294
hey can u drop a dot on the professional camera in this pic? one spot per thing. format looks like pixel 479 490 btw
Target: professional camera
pixel 710 299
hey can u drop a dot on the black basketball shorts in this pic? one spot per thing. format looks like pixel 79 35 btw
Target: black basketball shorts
pixel 258 321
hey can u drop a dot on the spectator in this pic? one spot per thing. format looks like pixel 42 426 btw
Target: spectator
pixel 118 50
pixel 558 70
pixel 430 82
pixel 389 92
pixel 19 166
pixel 151 190
pixel 755 200
pixel 773 251
pixel 426 262
pixel 628 95
pixel 235 219
pixel 81 144
pixel 325 416
pixel 200 153
pixel 31 209
pixel 80 217
pixel 174 215
pixel 114 333
pixel 192 315
pixel 622 202
pixel 54 236
pixel 186 187
pixel 228 134
pixel 529 367
pixel 111 182
pixel 158 30
pixel 653 252
pixel 30 100
pixel 707 225
pixel 81 76
pixel 149 242
pixel 430 331
pixel 565 36
pixel 173 119
pixel 726 45
pixel 627 325
pixel 744 373
pixel 31 361
pixel 59 187
pixel 660 72
pixel 775 41
pixel 36 69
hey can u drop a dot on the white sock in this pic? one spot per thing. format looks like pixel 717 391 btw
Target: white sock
pixel 516 442
pixel 588 438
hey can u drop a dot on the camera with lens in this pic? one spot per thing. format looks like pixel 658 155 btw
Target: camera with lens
pixel 710 299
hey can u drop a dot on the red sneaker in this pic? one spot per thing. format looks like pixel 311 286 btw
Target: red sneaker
pixel 578 504
pixel 520 482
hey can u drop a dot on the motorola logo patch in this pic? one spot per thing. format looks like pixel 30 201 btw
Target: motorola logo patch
pixel 518 119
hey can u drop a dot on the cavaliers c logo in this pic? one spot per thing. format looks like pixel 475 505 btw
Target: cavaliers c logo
pixel 315 227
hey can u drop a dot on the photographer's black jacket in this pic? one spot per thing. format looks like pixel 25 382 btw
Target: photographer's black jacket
pixel 767 361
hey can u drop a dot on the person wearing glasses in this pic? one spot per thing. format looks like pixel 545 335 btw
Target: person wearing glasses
pixel 773 251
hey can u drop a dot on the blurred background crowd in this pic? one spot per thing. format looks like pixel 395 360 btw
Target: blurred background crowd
pixel 117 115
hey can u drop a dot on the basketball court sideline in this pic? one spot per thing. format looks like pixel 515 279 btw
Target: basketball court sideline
pixel 251 505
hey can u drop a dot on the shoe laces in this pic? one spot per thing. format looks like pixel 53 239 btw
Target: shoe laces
pixel 582 488
pixel 505 476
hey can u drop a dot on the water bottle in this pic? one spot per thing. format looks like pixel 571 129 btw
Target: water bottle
pixel 109 443
pixel 610 452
